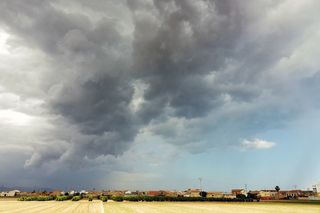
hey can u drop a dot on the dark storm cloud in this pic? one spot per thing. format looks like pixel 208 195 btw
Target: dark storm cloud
pixel 91 86
pixel 179 49
pixel 198 61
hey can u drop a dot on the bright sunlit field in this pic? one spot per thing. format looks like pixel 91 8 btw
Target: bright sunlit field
pixel 96 206
pixel 155 207
pixel 51 207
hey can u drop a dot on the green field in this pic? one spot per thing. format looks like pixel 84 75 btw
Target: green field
pixel 10 206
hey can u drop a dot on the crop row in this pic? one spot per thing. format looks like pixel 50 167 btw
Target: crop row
pixel 48 198
pixel 172 199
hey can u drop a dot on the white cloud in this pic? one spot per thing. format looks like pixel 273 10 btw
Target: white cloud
pixel 11 117
pixel 3 43
pixel 257 144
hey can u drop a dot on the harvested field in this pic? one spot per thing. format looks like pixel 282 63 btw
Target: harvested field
pixel 96 206
pixel 214 207
pixel 51 206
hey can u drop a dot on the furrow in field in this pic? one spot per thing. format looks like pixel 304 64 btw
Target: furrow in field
pixel 19 207
pixel 58 207
pixel 112 207
pixel 70 207
pixel 96 207
pixel 152 207
pixel 42 207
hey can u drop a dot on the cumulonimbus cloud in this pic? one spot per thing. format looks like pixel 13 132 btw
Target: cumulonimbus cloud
pixel 193 70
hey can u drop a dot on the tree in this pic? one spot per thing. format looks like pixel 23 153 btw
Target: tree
pixel 203 194
pixel 253 195
pixel 241 196
pixel 277 188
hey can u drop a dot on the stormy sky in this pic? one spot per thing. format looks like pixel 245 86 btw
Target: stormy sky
pixel 152 94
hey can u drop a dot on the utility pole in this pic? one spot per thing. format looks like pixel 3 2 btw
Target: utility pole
pixel 200 180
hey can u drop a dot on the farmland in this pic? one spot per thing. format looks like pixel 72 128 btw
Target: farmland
pixel 10 206
pixel 159 207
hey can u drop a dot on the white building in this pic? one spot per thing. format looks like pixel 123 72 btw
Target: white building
pixel 128 193
pixel 11 193
pixel 83 192
pixel 316 189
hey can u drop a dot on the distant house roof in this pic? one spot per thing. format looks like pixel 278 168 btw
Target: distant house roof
pixel 235 191
pixel 214 192
pixel 269 190
pixel 56 192
pixel 295 191
pixel 156 193
pixel 94 193
pixel 254 192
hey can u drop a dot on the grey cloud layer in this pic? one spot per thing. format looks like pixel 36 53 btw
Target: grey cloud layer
pixel 206 68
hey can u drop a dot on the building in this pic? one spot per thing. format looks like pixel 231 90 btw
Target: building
pixel 83 192
pixel 114 193
pixel 181 194
pixel 94 194
pixel 192 193
pixel 229 196
pixel 11 193
pixel 215 194
pixel 268 194
pixel 316 189
pixel 141 193
pixel 23 194
pixel 254 194
pixel 128 193
pixel 156 193
pixel 305 194
pixel 238 192
pixel 283 195
pixel 294 194
pixel 56 193
pixel 172 193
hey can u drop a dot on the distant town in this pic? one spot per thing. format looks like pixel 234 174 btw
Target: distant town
pixel 241 193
